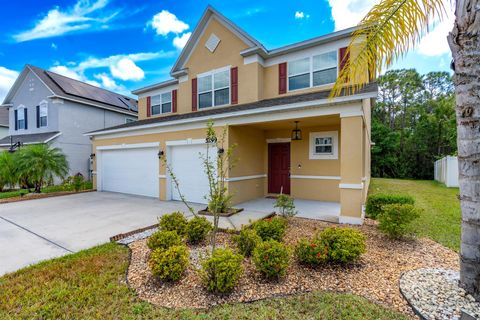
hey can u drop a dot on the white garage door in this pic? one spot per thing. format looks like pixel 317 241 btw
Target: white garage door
pixel 132 171
pixel 188 168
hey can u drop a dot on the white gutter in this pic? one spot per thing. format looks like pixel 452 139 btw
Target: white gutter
pixel 287 107
pixel 94 105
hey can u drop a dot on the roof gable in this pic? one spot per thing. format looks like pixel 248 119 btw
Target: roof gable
pixel 209 13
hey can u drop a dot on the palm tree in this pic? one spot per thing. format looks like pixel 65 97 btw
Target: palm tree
pixel 41 163
pixel 8 171
pixel 387 32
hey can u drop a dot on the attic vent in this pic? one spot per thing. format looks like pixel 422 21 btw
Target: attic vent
pixel 212 42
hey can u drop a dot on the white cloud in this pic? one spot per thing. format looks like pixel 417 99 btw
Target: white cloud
pixel 180 42
pixel 348 13
pixel 67 72
pixel 126 69
pixel 300 15
pixel 82 16
pixel 166 22
pixel 435 42
pixel 54 46
pixel 7 78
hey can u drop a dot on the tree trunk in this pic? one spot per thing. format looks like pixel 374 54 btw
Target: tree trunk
pixel 465 45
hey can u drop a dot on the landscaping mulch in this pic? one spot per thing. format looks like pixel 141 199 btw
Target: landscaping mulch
pixel 32 196
pixel 375 276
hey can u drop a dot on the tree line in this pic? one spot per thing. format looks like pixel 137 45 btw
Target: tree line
pixel 413 123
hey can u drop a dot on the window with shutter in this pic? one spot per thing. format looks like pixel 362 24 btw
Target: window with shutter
pixel 234 84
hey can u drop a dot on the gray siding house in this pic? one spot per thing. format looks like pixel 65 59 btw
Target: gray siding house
pixel 45 107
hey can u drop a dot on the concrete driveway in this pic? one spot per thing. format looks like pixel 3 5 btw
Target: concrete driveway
pixel 35 230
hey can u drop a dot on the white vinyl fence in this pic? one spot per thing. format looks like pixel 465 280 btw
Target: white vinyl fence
pixel 446 171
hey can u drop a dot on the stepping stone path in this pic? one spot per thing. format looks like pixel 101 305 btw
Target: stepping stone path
pixel 434 294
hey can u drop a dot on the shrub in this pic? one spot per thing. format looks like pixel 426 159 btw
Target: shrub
pixel 246 241
pixel 345 245
pixel 164 240
pixel 78 182
pixel 169 265
pixel 175 221
pixel 222 271
pixel 311 252
pixel 197 229
pixel 286 206
pixel 271 258
pixel 396 219
pixel 272 228
pixel 375 203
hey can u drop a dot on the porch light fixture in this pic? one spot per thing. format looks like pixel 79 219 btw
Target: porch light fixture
pixel 220 151
pixel 92 155
pixel 296 133
pixel 160 154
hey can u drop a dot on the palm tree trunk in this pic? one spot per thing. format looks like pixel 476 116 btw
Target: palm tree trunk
pixel 465 45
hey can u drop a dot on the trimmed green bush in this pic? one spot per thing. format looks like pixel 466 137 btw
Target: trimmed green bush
pixel 220 273
pixel 164 240
pixel 395 220
pixel 375 203
pixel 197 229
pixel 271 258
pixel 246 241
pixel 169 265
pixel 175 221
pixel 312 252
pixel 271 228
pixel 286 206
pixel 345 245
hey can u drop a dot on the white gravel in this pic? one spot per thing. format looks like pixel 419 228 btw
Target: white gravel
pixel 137 236
pixel 436 295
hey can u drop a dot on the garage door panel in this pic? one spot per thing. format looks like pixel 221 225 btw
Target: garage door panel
pixel 188 168
pixel 132 171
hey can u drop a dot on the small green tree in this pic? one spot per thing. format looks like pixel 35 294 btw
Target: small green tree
pixel 40 163
pixel 8 170
pixel 286 206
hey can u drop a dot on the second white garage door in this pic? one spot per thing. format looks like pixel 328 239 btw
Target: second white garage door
pixel 188 168
pixel 132 171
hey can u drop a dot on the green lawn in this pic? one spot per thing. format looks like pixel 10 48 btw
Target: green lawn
pixel 50 189
pixel 441 216
pixel 90 285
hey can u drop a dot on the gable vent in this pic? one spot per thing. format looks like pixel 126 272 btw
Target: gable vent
pixel 212 42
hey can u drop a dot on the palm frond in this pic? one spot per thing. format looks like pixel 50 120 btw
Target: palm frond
pixel 387 32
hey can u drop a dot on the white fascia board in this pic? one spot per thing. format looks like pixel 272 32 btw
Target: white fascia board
pixel 113 109
pixel 129 146
pixel 242 117
pixel 254 59
pixel 184 142
pixel 158 91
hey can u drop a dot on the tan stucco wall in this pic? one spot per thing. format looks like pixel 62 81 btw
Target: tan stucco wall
pixel 246 190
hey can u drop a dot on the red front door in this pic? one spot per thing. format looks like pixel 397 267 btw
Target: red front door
pixel 279 168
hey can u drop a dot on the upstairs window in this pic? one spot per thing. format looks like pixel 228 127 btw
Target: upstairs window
pixel 21 118
pixel 312 71
pixel 43 116
pixel 161 103
pixel 214 89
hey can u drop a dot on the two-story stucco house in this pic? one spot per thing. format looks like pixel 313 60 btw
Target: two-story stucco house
pixel 45 107
pixel 261 96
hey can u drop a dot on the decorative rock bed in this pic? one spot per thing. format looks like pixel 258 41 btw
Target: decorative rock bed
pixel 376 276
pixel 435 294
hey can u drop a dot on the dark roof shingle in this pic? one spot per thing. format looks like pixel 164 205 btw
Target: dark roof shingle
pixel 28 138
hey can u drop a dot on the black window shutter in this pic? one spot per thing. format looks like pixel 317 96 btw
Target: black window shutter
pixel 16 119
pixel 38 116
pixel 26 119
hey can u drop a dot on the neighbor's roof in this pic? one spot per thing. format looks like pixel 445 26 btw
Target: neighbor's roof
pixel 3 117
pixel 29 138
pixel 269 104
pixel 255 46
pixel 81 92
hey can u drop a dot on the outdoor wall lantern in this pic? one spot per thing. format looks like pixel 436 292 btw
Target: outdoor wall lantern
pixel 220 151
pixel 296 133
pixel 92 156
pixel 160 154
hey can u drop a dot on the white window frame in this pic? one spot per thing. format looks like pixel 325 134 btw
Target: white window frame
pixel 161 103
pixel 20 111
pixel 323 134
pixel 43 104
pixel 311 71
pixel 213 89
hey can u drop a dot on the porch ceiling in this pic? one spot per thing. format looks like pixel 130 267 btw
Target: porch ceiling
pixel 330 120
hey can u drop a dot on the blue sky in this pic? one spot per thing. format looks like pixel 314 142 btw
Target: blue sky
pixel 122 45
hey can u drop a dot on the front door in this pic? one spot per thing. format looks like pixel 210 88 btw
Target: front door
pixel 279 168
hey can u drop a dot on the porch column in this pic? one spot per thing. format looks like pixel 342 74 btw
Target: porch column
pixel 351 170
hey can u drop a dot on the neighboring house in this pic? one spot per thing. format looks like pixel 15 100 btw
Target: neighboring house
pixel 3 123
pixel 225 75
pixel 45 107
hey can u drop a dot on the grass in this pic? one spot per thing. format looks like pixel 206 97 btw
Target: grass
pixel 90 285
pixel 59 188
pixel 441 216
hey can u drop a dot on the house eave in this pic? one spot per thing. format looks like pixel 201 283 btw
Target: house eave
pixel 113 109
pixel 155 86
